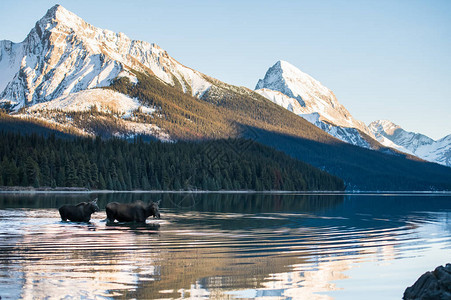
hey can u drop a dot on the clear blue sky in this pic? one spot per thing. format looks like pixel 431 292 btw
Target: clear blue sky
pixel 382 59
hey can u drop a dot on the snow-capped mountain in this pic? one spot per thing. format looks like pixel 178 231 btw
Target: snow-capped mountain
pixel 63 54
pixel 286 85
pixel 413 143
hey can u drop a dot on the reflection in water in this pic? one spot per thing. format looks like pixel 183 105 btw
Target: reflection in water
pixel 223 246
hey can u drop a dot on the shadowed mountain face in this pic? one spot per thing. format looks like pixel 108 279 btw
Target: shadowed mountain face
pixel 72 77
pixel 361 169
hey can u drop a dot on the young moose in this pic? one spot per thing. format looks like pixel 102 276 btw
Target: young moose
pixel 80 212
pixel 137 211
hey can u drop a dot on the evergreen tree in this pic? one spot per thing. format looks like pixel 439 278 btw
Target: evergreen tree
pixel 32 171
pixel 71 174
pixel 102 183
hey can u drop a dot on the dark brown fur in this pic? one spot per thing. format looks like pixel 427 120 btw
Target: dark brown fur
pixel 137 211
pixel 80 212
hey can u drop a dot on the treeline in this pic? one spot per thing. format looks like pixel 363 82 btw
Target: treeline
pixel 227 164
pixel 29 126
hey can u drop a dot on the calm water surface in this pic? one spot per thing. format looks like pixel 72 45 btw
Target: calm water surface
pixel 224 246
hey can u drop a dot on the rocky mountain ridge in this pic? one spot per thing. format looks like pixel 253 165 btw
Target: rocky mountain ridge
pixel 63 54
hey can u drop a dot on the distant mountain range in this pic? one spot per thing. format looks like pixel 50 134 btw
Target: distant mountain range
pixel 413 143
pixel 72 77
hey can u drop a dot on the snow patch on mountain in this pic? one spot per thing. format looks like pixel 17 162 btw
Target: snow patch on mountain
pixel 135 128
pixel 133 79
pixel 283 100
pixel 107 101
pixel 346 134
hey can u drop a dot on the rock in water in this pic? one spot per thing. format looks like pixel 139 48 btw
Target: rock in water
pixel 431 285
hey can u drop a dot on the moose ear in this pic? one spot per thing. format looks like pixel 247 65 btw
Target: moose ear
pixel 95 200
pixel 158 202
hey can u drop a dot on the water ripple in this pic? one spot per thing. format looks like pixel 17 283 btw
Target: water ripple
pixel 206 254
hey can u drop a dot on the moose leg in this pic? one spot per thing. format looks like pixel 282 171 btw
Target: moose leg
pixel 63 214
pixel 109 215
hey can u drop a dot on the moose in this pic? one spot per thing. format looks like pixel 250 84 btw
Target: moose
pixel 136 211
pixel 79 213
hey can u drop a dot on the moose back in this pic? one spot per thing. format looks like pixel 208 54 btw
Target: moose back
pixel 136 211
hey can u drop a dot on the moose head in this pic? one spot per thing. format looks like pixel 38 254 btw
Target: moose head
pixel 153 210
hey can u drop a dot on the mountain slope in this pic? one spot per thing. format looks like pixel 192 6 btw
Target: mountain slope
pixel 362 169
pixel 94 82
pixel 414 143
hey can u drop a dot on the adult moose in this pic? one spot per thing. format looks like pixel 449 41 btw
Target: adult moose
pixel 136 211
pixel 79 213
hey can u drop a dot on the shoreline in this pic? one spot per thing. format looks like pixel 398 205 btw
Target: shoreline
pixel 76 190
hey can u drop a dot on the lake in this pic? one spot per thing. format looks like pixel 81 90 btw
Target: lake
pixel 224 246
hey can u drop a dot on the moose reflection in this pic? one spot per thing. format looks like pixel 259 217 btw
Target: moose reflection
pixel 78 213
pixel 137 211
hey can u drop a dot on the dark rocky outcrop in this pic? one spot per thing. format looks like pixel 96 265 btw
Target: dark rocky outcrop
pixel 434 285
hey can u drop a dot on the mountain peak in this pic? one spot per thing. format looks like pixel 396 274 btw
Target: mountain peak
pixel 385 126
pixel 297 91
pixel 59 13
pixel 289 80
pixel 292 82
pixel 282 64
pixel 57 7
pixel 276 74
pixel 287 68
